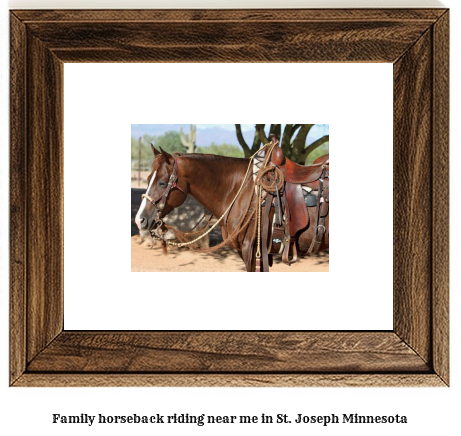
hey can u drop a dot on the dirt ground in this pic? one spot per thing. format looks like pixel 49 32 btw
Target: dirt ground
pixel 145 258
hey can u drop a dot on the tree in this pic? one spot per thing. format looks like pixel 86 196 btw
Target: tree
pixel 146 153
pixel 170 142
pixel 319 151
pixel 292 141
pixel 222 150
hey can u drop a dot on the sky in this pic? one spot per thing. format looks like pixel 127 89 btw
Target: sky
pixel 225 126
pixel 219 133
pixel 316 132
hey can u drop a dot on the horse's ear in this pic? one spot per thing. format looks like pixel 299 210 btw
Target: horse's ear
pixel 154 150
pixel 168 157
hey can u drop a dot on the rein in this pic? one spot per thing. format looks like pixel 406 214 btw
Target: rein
pixel 233 235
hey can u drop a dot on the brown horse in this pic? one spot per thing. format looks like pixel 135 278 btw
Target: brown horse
pixel 214 181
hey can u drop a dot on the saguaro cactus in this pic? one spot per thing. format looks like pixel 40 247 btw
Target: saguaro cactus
pixel 188 140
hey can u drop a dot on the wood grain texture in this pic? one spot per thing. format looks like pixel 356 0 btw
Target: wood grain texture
pixel 413 196
pixel 205 15
pixel 236 352
pixel 45 200
pixel 229 41
pixel 415 354
pixel 230 380
pixel 18 207
pixel 440 205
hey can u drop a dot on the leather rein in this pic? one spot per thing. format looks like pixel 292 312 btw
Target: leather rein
pixel 158 234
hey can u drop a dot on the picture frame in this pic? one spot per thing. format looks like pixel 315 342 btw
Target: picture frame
pixel 414 353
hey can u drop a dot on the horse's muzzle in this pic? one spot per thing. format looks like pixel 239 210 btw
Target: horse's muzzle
pixel 143 223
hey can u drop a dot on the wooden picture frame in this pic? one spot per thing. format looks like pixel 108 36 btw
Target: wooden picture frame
pixel 414 353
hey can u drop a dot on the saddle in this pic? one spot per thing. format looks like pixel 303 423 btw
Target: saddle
pixel 286 213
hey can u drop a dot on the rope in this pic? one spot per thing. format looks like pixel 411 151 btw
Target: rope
pixel 239 228
pixel 184 244
pixel 258 243
pixel 262 184
pixel 199 221
pixel 270 185
pixel 190 233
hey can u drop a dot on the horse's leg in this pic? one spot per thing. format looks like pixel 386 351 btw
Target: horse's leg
pixel 244 248
pixel 249 267
pixel 248 255
pixel 248 248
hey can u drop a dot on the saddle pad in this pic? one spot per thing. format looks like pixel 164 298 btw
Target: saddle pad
pixel 310 199
pixel 257 164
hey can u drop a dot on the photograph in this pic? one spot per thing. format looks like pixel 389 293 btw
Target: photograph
pixel 229 197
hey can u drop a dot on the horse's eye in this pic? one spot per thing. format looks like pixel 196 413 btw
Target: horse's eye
pixel 162 183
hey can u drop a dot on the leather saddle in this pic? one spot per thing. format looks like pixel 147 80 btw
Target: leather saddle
pixel 294 199
pixel 300 174
pixel 295 173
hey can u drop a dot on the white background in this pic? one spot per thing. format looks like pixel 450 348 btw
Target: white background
pixel 429 410
pixel 103 100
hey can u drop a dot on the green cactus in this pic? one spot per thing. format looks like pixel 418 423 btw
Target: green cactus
pixel 188 140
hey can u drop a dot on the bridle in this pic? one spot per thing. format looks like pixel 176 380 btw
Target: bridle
pixel 242 225
pixel 160 202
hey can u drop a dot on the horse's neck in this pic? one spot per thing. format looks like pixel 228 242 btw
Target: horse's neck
pixel 214 181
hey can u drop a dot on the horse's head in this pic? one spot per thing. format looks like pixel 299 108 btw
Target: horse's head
pixel 165 192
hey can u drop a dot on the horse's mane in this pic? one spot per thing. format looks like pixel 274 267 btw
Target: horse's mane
pixel 161 159
pixel 211 155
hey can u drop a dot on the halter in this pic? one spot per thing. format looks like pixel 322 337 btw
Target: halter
pixel 162 199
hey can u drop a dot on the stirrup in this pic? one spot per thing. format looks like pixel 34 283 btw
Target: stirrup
pixel 286 252
pixel 317 239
